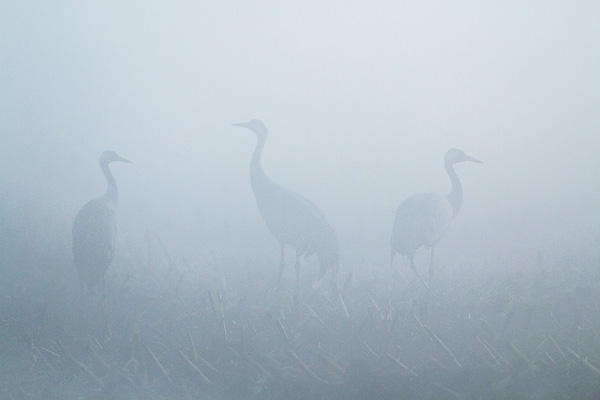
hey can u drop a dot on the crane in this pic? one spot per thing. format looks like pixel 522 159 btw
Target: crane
pixel 292 219
pixel 95 230
pixel 422 219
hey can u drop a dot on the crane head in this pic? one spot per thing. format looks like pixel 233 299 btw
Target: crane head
pixel 255 126
pixel 109 156
pixel 454 156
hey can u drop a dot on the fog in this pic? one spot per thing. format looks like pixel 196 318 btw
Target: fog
pixel 361 99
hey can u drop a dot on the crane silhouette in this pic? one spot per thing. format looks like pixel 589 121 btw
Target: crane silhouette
pixel 95 230
pixel 292 219
pixel 422 219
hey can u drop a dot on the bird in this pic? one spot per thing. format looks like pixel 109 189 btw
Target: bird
pixel 95 230
pixel 293 219
pixel 422 219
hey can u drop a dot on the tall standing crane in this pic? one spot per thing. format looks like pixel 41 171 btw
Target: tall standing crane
pixel 422 219
pixel 292 219
pixel 95 230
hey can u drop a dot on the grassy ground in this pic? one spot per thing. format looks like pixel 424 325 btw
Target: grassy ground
pixel 217 329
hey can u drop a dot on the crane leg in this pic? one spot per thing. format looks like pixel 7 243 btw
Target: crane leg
pixel 394 273
pixel 297 272
pixel 103 285
pixel 282 262
pixel 411 257
pixel 431 264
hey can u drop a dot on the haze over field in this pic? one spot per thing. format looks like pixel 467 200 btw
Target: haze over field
pixel 361 101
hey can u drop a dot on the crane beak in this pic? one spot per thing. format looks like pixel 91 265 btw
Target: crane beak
pixel 469 158
pixel 243 124
pixel 123 160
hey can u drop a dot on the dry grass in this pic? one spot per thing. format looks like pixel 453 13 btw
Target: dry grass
pixel 170 329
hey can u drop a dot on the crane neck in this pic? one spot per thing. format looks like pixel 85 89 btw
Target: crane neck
pixel 257 175
pixel 456 194
pixel 112 192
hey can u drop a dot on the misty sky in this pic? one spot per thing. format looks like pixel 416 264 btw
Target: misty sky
pixel 362 100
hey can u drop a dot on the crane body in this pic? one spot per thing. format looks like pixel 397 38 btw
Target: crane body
pixel 423 219
pixel 292 219
pixel 95 230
